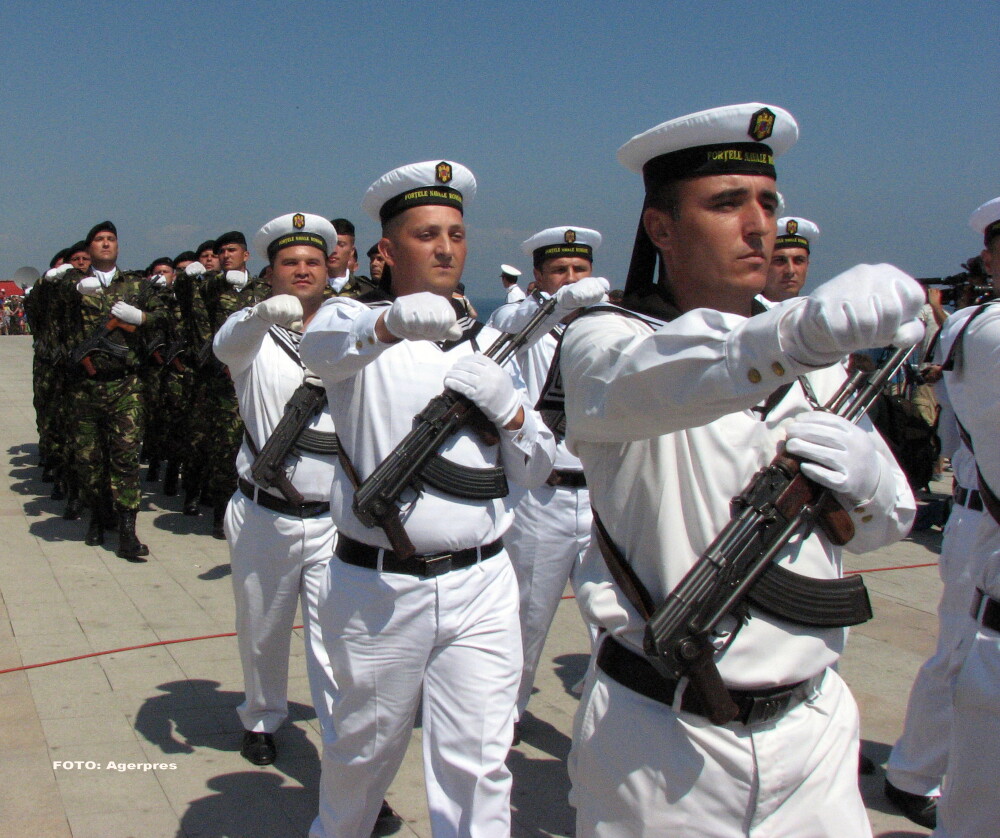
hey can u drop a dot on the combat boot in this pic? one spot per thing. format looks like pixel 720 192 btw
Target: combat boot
pixel 191 504
pixel 95 530
pixel 170 478
pixel 218 517
pixel 129 546
pixel 58 490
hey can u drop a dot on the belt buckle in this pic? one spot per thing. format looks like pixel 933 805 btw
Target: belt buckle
pixel 766 708
pixel 435 565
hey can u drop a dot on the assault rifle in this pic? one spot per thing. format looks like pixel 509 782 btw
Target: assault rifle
pixel 778 503
pixel 268 466
pixel 98 342
pixel 376 498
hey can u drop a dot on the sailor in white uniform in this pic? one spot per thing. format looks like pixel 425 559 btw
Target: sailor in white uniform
pixel 969 805
pixel 551 529
pixel 279 546
pixel 442 625
pixel 672 407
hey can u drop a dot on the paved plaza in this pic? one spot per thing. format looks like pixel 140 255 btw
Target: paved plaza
pixel 77 736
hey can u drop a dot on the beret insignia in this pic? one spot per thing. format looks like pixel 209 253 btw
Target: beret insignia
pixel 298 221
pixel 443 172
pixel 570 236
pixel 791 227
pixel 761 124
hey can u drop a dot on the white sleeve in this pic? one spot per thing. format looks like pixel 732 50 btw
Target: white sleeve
pixel 976 393
pixel 528 454
pixel 237 343
pixel 340 340
pixel 625 382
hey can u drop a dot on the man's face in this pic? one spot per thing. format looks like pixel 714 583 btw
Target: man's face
pixel 180 266
pixel 787 273
pixel 718 247
pixel 991 263
pixel 233 257
pixel 426 249
pixel 164 270
pixel 208 258
pixel 80 260
pixel 564 270
pixel 104 249
pixel 340 256
pixel 300 270
pixel 375 264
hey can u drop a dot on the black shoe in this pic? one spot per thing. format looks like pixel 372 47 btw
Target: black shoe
pixel 129 546
pixel 58 490
pixel 95 530
pixel 170 479
pixel 73 508
pixel 191 505
pixel 918 808
pixel 865 766
pixel 218 521
pixel 258 748
pixel 387 822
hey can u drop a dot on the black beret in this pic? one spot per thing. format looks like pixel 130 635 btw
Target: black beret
pixel 103 227
pixel 77 248
pixel 205 245
pixel 62 255
pixel 186 256
pixel 372 251
pixel 232 237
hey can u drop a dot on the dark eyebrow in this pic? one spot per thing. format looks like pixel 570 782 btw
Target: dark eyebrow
pixel 730 194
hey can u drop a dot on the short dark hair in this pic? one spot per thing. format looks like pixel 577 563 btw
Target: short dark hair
pixel 342 226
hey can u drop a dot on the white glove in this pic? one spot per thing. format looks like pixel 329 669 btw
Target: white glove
pixel 90 286
pixel 422 316
pixel 835 453
pixel 127 313
pixel 484 382
pixel 281 310
pixel 159 280
pixel 865 307
pixel 55 273
pixel 238 279
pixel 588 291
pixel 194 269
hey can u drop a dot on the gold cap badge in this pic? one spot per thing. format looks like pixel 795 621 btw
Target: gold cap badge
pixel 792 227
pixel 570 236
pixel 443 172
pixel 298 221
pixel 761 124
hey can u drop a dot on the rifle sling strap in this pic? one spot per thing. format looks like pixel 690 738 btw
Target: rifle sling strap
pixel 819 603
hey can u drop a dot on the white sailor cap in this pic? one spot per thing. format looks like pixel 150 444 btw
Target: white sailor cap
pixel 986 220
pixel 780 209
pixel 741 139
pixel 441 182
pixel 795 232
pixel 556 242
pixel 294 228
pixel 509 270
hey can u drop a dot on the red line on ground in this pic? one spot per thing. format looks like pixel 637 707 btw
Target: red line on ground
pixel 233 633
pixel 123 649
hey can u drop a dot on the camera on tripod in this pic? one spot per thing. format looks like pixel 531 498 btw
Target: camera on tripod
pixel 970 287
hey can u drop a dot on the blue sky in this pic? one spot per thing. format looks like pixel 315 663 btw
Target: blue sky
pixel 181 121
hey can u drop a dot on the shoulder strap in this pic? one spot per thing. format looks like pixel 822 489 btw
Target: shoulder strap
pixel 622 572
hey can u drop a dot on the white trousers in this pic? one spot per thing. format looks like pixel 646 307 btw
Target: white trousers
pixel 452 640
pixel 277 560
pixel 920 756
pixel 970 805
pixel 640 769
pixel 550 533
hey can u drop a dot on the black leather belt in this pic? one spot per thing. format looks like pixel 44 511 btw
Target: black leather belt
pixel 635 672
pixel 364 555
pixel 986 610
pixel 309 509
pixel 567 478
pixel 969 498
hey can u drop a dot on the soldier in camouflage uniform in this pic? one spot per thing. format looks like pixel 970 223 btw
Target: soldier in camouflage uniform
pixel 117 308
pixel 160 274
pixel 224 292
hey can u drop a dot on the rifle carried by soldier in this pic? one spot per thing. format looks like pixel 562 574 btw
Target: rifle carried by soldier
pixel 268 467
pixel 779 503
pixel 376 498
pixel 98 342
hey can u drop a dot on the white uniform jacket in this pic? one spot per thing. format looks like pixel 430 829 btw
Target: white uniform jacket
pixel 662 422
pixel 265 376
pixel 375 390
